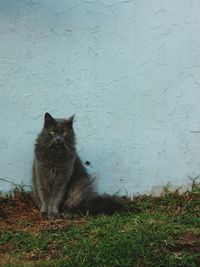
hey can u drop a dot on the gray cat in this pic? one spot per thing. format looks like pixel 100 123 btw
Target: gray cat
pixel 60 180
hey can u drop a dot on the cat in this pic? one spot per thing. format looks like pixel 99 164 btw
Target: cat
pixel 60 180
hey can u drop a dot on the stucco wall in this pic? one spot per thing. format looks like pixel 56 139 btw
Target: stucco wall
pixel 129 70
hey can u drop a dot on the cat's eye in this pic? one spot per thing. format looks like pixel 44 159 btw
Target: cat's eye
pixel 52 132
pixel 65 133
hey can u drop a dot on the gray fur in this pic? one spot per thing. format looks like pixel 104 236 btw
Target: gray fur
pixel 60 181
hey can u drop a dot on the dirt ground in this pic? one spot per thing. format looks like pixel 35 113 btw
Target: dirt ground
pixel 18 212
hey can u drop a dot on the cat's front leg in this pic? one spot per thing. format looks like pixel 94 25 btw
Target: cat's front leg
pixel 44 210
pixel 43 204
pixel 53 209
pixel 41 188
pixel 44 201
pixel 57 199
pixel 55 202
pixel 59 186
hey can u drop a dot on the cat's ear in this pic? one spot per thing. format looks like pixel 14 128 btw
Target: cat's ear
pixel 48 120
pixel 70 121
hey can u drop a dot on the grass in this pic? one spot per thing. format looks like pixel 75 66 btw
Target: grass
pixel 165 231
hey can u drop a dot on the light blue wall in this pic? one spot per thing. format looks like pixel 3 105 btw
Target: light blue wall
pixel 129 70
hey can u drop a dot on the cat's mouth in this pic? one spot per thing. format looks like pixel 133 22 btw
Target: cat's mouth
pixel 58 140
pixel 61 145
pixel 58 144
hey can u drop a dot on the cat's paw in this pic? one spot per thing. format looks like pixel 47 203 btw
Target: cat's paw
pixel 53 215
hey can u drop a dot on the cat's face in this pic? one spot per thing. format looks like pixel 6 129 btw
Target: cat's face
pixel 58 131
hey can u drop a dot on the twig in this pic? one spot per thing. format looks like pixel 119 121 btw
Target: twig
pixel 15 184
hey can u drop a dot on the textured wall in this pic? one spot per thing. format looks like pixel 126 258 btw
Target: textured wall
pixel 129 70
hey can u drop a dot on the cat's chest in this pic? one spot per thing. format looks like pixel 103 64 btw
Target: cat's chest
pixel 56 159
pixel 56 163
pixel 52 173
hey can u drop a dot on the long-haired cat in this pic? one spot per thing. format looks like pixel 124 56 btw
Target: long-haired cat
pixel 60 180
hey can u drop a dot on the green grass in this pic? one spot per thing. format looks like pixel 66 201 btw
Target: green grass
pixel 164 232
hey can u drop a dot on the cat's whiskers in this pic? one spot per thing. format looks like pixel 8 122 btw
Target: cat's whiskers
pixel 67 145
pixel 45 146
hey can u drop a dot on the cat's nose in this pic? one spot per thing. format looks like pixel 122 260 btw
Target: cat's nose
pixel 58 140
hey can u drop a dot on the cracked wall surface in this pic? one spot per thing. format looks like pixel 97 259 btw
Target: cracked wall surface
pixel 128 69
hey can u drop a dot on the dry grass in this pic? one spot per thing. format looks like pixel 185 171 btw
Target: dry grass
pixel 165 231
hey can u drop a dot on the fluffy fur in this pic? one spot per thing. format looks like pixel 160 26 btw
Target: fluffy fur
pixel 60 180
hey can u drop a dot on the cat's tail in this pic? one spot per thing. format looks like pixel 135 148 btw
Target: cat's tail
pixel 101 204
